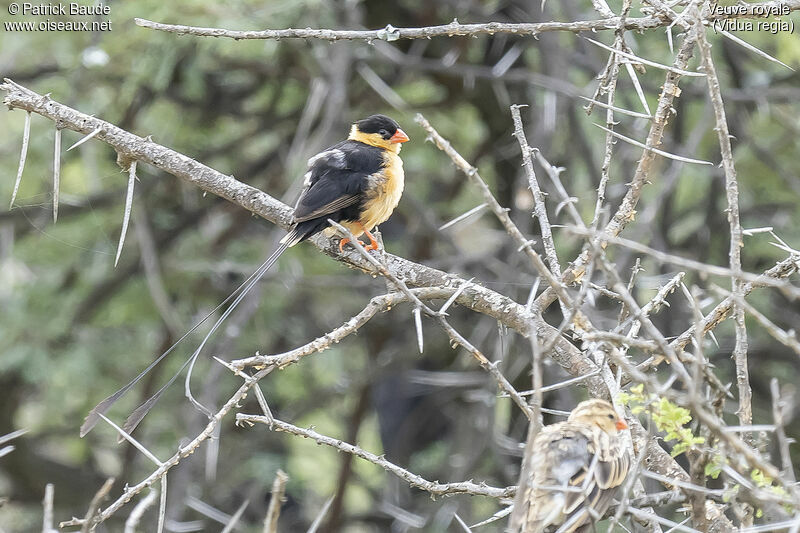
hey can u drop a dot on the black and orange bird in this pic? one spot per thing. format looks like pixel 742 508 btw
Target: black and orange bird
pixel 575 469
pixel 356 183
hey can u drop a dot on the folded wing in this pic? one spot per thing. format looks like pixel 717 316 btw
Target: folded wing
pixel 575 476
pixel 335 184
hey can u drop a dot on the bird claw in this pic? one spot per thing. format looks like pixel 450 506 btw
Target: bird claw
pixel 367 247
pixel 373 245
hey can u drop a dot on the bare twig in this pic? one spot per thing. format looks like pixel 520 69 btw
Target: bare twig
pixel 376 305
pixel 781 270
pixel 454 335
pixel 538 198
pixel 499 211
pixel 608 85
pixel 99 497
pixel 638 59
pixel 274 509
pixel 787 338
pixel 47 504
pixel 635 271
pixel 453 29
pixel 654 150
pixel 626 211
pixel 705 268
pixel 433 487
pixel 232 523
pixel 566 200
pixel 745 410
pixel 138 511
pixel 390 33
pixel 779 408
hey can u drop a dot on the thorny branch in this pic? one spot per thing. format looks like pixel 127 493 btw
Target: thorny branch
pixel 433 487
pixel 454 29
pixel 745 410
pixel 539 206
pixel 626 212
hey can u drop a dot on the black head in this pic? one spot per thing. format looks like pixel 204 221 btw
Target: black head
pixel 380 124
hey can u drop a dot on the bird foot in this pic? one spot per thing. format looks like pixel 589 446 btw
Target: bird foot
pixel 373 243
pixel 366 247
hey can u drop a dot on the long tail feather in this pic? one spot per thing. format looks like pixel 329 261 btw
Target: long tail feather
pixel 136 417
pixel 94 415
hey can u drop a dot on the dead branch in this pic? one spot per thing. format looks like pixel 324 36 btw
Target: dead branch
pixel 745 410
pixel 433 487
pixel 454 29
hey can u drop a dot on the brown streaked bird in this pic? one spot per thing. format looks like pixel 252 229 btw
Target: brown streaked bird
pixel 575 469
pixel 356 183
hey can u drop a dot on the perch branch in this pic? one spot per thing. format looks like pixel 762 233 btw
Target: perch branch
pixel 454 29
pixel 745 410
pixel 433 487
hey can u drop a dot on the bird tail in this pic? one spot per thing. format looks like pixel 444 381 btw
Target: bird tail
pixel 133 420
pixel 293 237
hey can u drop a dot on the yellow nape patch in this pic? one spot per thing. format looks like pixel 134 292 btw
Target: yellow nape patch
pixel 373 139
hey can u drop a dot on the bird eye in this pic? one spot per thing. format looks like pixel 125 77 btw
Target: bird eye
pixel 384 134
pixel 611 417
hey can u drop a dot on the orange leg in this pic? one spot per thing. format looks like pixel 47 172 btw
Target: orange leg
pixel 373 244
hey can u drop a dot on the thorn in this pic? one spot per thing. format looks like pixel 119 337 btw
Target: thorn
pixel 86 138
pixel 26 135
pixel 56 172
pixel 128 207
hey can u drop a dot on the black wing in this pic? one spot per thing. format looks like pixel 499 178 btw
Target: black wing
pixel 336 181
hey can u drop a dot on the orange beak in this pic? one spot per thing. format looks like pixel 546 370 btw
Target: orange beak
pixel 621 424
pixel 399 137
